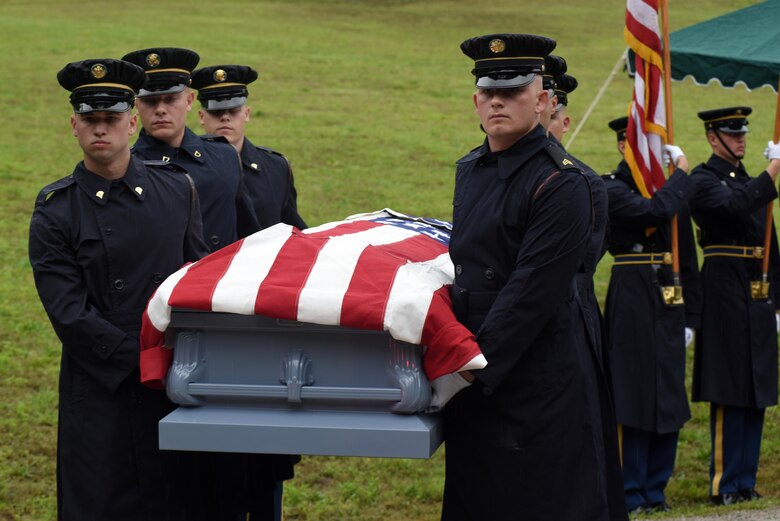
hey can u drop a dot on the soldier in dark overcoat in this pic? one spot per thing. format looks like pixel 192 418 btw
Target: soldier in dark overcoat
pixel 556 120
pixel 222 93
pixel 646 330
pixel 520 439
pixel 101 241
pixel 735 364
pixel 212 163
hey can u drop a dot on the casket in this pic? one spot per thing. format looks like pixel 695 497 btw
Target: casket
pixel 254 384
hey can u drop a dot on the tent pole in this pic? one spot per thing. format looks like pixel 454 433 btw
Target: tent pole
pixel 769 218
pixel 670 139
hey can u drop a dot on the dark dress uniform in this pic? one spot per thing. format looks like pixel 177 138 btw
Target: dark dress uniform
pixel 735 365
pixel 215 168
pixel 522 438
pixel 645 335
pixel 270 185
pixel 98 250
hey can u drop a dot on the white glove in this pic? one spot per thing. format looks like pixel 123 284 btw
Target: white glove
pixel 689 335
pixel 671 154
pixel 772 151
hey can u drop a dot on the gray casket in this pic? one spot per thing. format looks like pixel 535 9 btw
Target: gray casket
pixel 253 384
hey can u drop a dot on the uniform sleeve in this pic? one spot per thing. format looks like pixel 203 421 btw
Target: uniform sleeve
pixel 689 270
pixel 290 208
pixel 194 246
pixel 632 208
pixel 741 200
pixel 104 351
pixel 553 246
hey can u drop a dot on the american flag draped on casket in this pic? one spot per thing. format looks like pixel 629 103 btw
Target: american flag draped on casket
pixel 380 271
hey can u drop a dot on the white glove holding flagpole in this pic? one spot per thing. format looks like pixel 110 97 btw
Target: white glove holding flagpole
pixel 772 151
pixel 688 336
pixel 671 153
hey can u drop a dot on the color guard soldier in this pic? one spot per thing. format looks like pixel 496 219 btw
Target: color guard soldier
pixel 98 252
pixel 520 439
pixel 735 364
pixel 560 121
pixel 222 92
pixel 215 167
pixel 646 332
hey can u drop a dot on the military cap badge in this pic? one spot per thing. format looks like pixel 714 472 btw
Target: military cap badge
pixel 220 75
pixel 153 59
pixel 497 46
pixel 98 71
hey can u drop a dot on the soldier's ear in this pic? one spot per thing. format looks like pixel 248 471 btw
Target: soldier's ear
pixel 133 124
pixel 73 125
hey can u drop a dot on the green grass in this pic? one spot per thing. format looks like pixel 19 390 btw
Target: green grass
pixel 371 102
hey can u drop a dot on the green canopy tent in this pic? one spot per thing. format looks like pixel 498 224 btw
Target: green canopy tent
pixel 713 51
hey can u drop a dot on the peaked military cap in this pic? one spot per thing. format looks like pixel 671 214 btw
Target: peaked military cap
pixel 168 68
pixel 619 125
pixel 223 87
pixel 554 66
pixel 564 84
pixel 505 61
pixel 101 84
pixel 731 120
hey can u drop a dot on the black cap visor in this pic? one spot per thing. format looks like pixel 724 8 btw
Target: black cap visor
pixel 223 104
pixel 505 80
pixel 732 127
pixel 160 89
pixel 84 102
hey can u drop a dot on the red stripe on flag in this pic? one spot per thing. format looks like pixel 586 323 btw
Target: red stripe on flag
pixel 202 279
pixel 439 331
pixel 645 35
pixel 365 300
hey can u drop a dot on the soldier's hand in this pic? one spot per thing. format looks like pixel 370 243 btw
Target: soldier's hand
pixel 676 156
pixel 772 151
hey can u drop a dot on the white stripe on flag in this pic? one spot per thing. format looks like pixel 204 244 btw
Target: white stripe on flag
pixel 410 296
pixel 322 295
pixel 158 310
pixel 644 14
pixel 236 291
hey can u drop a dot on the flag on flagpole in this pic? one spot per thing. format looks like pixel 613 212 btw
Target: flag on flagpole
pixel 381 271
pixel 646 132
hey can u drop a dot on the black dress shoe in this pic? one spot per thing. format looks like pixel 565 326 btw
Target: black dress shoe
pixel 663 506
pixel 749 494
pixel 729 498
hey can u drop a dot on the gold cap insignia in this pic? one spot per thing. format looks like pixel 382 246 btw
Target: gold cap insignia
pixel 497 46
pixel 197 153
pixel 220 75
pixel 98 71
pixel 739 112
pixel 153 60
pixel 100 194
pixel 139 190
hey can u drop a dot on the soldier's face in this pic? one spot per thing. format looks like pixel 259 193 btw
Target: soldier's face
pixel 735 142
pixel 229 123
pixel 103 136
pixel 559 123
pixel 165 116
pixel 509 114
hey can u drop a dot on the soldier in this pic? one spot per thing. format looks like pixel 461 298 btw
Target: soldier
pixel 222 92
pixel 735 364
pixel 560 120
pixel 520 438
pixel 215 167
pixel 646 332
pixel 98 252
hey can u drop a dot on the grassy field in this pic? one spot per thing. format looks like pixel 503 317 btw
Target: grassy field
pixel 371 102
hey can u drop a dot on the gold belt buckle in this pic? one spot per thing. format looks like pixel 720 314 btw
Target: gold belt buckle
pixel 758 252
pixel 759 290
pixel 673 295
pixel 667 257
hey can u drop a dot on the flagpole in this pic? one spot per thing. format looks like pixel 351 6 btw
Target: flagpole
pixel 670 139
pixel 769 219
